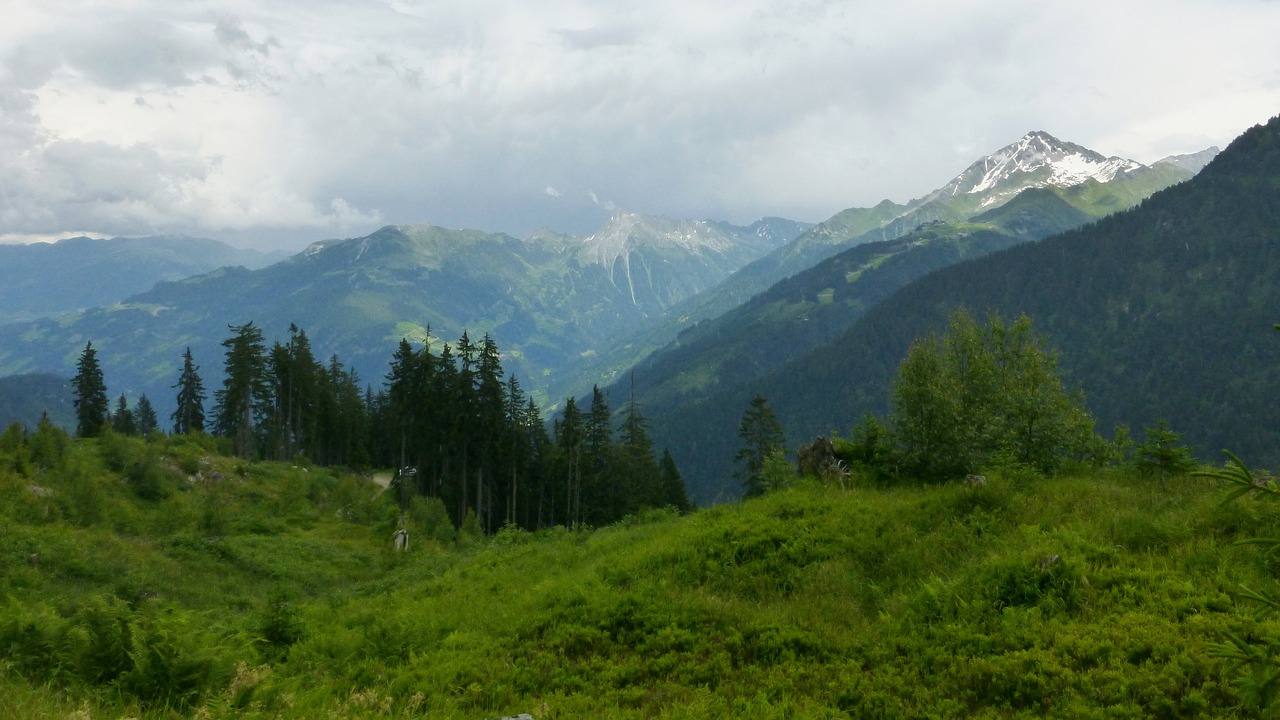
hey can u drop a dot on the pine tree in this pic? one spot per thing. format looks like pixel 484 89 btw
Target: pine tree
pixel 569 442
pixel 762 437
pixel 673 491
pixel 602 501
pixel 122 420
pixel 639 476
pixel 189 417
pixel 144 417
pixel 244 396
pixel 90 391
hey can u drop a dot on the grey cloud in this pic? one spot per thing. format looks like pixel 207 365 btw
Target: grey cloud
pixel 598 37
pixel 231 33
pixel 70 183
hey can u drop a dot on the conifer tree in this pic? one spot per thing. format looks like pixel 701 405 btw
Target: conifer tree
pixel 673 491
pixel 90 392
pixel 603 503
pixel 144 417
pixel 569 442
pixel 244 396
pixel 762 437
pixel 189 417
pixel 638 474
pixel 122 420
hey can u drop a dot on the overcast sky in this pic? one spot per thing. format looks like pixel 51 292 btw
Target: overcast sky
pixel 276 124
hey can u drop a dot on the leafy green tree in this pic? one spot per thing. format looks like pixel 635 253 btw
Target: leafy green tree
pixel 144 416
pixel 122 420
pixel 189 417
pixel 1162 453
pixel 90 392
pixel 980 393
pixel 244 396
pixel 762 438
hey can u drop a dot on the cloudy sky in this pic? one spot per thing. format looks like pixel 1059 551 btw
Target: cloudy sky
pixel 276 124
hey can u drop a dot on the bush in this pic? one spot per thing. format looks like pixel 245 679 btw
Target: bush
pixel 174 661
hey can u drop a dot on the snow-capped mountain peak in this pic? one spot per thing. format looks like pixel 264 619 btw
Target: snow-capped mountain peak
pixel 1038 159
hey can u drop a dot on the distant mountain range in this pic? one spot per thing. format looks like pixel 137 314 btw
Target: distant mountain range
pixel 734 306
pixel 1093 184
pixel 1162 311
pixel 43 279
pixel 548 300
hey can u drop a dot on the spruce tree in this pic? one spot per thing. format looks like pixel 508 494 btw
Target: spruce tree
pixel 122 420
pixel 569 442
pixel 673 491
pixel 144 416
pixel 189 417
pixel 90 392
pixel 762 437
pixel 244 396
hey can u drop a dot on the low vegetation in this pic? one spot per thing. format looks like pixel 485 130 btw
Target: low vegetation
pixel 162 578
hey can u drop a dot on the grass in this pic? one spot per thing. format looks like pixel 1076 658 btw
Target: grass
pixel 1090 595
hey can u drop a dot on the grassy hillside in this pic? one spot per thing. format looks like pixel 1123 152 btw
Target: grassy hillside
pixel 159 580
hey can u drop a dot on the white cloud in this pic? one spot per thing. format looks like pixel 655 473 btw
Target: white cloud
pixel 257 119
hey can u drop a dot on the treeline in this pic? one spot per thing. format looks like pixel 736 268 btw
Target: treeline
pixel 452 422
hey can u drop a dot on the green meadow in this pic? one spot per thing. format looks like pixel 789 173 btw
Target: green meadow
pixel 163 579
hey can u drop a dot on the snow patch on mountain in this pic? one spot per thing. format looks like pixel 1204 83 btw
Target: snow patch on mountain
pixel 627 231
pixel 1038 159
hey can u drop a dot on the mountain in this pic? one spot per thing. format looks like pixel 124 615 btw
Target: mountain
pixel 24 398
pixel 44 279
pixel 547 301
pixel 815 306
pixel 1095 185
pixel 1161 311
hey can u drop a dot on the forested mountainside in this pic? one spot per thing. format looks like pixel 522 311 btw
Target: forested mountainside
pixel 44 279
pixel 1162 311
pixel 815 306
pixel 1091 183
pixel 24 398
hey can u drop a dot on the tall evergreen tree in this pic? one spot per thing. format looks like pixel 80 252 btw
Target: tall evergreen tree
pixel 518 446
pixel 144 416
pixel 673 491
pixel 602 501
pixel 189 417
pixel 90 392
pixel 294 378
pixel 639 481
pixel 762 436
pixel 122 420
pixel 539 482
pixel 569 442
pixel 491 425
pixel 244 396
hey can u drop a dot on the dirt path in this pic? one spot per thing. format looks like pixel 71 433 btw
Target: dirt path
pixel 382 479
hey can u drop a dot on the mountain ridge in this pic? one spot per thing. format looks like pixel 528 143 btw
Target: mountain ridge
pixel 1163 310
